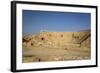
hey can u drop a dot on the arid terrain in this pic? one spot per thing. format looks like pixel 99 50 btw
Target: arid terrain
pixel 56 46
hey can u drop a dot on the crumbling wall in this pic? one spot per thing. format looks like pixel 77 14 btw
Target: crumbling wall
pixel 57 38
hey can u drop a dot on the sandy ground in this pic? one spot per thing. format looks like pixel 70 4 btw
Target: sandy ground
pixel 40 53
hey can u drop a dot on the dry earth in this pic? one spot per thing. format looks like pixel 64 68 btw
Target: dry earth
pixel 56 46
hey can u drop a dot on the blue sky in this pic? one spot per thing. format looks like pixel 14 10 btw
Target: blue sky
pixel 35 21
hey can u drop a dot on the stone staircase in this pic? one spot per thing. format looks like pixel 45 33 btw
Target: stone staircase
pixel 84 38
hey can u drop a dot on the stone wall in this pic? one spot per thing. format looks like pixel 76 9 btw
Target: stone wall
pixel 56 39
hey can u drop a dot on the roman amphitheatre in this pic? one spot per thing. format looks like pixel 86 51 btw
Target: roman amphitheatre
pixel 56 46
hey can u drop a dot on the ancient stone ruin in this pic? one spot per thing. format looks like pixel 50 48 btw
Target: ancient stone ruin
pixel 53 46
pixel 58 39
